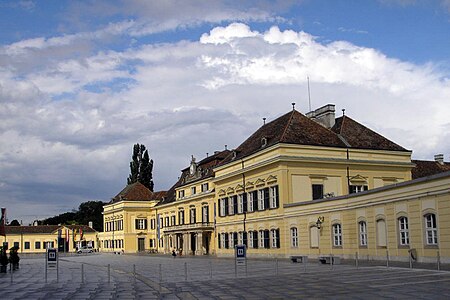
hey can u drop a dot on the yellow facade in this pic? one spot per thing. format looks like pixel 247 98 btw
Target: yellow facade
pixel 287 195
pixel 36 239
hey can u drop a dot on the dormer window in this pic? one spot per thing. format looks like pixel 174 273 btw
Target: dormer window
pixel 233 154
pixel 263 142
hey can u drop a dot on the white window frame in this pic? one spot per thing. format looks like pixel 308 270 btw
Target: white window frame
pixel 273 196
pixel 240 203
pixel 431 229
pixel 181 194
pixel 250 207
pixel 193 190
pixel 205 214
pixel 261 200
pixel 273 238
pixel 261 239
pixel 230 206
pixel 294 237
pixel 222 240
pixel 250 239
pixel 205 187
pixel 362 226
pixel 403 231
pixel 240 238
pixel 231 240
pixel 140 224
pixel 337 235
pixel 222 206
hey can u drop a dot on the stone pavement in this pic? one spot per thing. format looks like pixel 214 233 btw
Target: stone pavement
pixel 164 277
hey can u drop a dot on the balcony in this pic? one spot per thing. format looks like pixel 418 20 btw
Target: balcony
pixel 206 226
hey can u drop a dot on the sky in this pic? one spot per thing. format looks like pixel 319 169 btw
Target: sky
pixel 82 81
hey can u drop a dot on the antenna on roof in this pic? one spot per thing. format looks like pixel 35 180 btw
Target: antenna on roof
pixel 226 147
pixel 343 111
pixel 293 105
pixel 309 94
pixel 264 121
pixel 207 154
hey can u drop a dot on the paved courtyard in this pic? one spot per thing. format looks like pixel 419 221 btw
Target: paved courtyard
pixel 163 277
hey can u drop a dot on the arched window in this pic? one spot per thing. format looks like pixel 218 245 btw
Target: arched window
pixel 362 233
pixel 337 235
pixel 403 231
pixel 294 237
pixel 431 229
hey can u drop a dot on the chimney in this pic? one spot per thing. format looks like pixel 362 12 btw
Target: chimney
pixel 439 158
pixel 323 115
pixel 90 224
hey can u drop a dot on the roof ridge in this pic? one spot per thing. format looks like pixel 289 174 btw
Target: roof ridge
pixel 287 125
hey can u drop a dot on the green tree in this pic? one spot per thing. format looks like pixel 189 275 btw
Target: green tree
pixel 14 223
pixel 141 167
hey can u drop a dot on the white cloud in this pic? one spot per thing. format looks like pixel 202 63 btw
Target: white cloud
pixel 194 97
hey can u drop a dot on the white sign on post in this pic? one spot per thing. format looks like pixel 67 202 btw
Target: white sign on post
pixel 240 255
pixel 52 257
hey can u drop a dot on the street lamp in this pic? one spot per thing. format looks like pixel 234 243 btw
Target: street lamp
pixel 319 222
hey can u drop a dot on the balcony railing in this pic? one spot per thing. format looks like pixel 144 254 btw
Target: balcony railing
pixel 201 225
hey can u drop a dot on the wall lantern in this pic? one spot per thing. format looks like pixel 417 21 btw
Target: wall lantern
pixel 319 222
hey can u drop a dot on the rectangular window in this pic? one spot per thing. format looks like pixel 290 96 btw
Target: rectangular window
pixel 363 233
pixel 16 244
pixel 141 224
pixel 172 221
pixel 37 245
pixel 357 188
pixel 337 235
pixel 240 238
pixel 193 190
pixel 250 207
pixel 205 214
pixel 192 216
pixel 166 221
pixel 181 217
pixel 261 200
pixel 152 223
pixel 27 245
pixel 240 201
pixel 181 194
pixel 403 231
pixel 275 238
pixel 232 240
pixel 261 239
pixel 231 206
pixel 251 238
pixel 317 191
pixel 294 237
pixel 273 197
pixel 266 239
pixel 205 187
pixel 431 229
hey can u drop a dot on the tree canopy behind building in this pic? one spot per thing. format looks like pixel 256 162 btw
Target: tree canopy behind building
pixel 141 167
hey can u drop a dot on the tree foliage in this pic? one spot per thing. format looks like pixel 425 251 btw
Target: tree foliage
pixel 141 167
pixel 14 223
pixel 90 211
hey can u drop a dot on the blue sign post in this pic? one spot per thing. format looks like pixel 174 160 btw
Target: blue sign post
pixel 241 255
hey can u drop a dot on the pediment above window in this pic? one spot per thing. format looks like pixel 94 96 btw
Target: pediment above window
pixel 259 182
pixel 239 188
pixel 221 192
pixel 230 190
pixel 271 179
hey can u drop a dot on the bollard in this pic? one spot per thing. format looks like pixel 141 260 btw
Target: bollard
pixel 185 272
pixel 438 258
pixel 356 260
pixel 410 260
pixel 210 269
pixel 11 271
pixel 246 262
pixel 45 271
pixel 387 259
pixel 82 273
pixel 160 274
pixel 134 273
pixel 331 261
pixel 235 270
pixel 109 273
pixel 305 262
pixel 276 266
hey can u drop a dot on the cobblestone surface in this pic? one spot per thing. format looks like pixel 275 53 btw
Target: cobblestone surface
pixel 164 277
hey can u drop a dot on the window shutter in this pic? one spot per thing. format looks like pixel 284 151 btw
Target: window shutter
pixel 365 188
pixel 277 202
pixel 255 200
pixel 255 239
pixel 219 238
pixel 231 204
pixel 136 225
pixel 226 240
pixel 244 201
pixel 220 207
pixel 266 239
pixel 235 204
pixel 226 206
pixel 244 238
pixel 235 238
pixel 145 224
pixel 266 198
pixel 278 237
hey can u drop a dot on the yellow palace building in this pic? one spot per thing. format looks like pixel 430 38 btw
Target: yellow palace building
pixel 308 185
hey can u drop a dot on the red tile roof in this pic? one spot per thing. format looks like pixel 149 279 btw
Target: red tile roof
pixel 43 229
pixel 296 128
pixel 425 168
pixel 137 192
